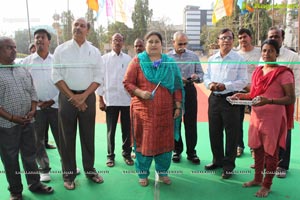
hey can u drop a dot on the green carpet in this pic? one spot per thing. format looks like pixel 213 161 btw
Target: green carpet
pixel 188 181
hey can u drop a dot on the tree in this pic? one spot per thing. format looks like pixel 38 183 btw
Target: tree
pixel 119 27
pixel 166 29
pixel 67 19
pixel 22 41
pixel 92 36
pixel 208 38
pixel 141 17
pixel 258 22
pixel 103 38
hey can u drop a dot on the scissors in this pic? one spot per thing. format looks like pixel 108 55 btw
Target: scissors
pixel 153 91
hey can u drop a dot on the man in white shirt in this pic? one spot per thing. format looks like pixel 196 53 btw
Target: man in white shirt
pixel 114 99
pixel 287 58
pixel 40 67
pixel 77 72
pixel 251 54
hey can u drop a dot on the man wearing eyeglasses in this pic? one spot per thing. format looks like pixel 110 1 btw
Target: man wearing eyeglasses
pixel 115 100
pixel 225 75
pixel 191 71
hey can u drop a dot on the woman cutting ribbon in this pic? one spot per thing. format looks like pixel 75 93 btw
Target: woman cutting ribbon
pixel 153 117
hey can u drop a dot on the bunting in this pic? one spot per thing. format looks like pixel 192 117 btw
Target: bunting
pixel 116 10
pixel 123 11
pixel 222 8
pixel 245 6
pixel 109 8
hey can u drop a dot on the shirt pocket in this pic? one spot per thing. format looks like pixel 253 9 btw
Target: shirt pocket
pixel 26 82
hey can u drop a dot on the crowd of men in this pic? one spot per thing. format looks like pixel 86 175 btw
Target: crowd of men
pixel 47 93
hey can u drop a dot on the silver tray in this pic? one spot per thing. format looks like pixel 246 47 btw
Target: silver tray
pixel 239 102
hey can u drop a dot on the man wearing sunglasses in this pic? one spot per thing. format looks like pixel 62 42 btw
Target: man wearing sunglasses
pixel 191 71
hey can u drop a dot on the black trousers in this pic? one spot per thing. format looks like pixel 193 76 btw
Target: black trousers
pixel 68 117
pixel 285 155
pixel 15 140
pixel 43 119
pixel 223 116
pixel 112 115
pixel 240 140
pixel 190 122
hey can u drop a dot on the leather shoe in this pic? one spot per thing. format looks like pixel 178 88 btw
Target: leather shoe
pixel 226 174
pixel 212 166
pixel 176 158
pixel 194 159
pixel 50 146
pixel 15 196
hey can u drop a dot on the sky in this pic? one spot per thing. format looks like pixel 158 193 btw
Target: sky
pixel 13 13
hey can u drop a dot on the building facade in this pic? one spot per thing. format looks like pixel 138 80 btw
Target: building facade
pixel 194 19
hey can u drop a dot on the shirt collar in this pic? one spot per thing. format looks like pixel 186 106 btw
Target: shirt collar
pixel 173 52
pixel 229 55
pixel 37 56
pixel 113 53
pixel 76 44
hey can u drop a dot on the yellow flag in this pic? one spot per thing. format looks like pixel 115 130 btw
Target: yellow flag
pixel 93 4
pixel 222 8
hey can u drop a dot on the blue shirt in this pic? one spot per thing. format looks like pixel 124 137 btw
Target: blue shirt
pixel 227 70
pixel 188 63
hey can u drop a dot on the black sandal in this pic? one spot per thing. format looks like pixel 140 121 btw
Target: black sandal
pixel 42 189
pixel 110 163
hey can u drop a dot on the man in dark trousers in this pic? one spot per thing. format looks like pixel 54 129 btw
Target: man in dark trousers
pixel 18 100
pixel 191 71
